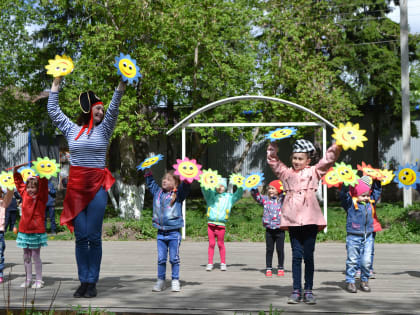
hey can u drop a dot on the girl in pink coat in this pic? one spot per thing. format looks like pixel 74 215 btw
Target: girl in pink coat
pixel 301 213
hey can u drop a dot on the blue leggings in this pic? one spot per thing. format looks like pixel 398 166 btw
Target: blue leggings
pixel 88 233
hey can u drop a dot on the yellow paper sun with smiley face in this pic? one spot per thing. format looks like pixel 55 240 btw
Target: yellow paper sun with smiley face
pixel 331 178
pixel 209 179
pixel 253 181
pixel 349 136
pixel 45 167
pixel 407 176
pixel 149 162
pixel 187 169
pixel 237 179
pixel 387 177
pixel 346 174
pixel 60 66
pixel 127 68
pixel 26 171
pixel 7 181
pixel 368 170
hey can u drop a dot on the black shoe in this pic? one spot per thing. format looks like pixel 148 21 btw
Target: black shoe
pixel 91 290
pixel 81 290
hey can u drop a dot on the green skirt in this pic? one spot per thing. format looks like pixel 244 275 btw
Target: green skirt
pixel 31 240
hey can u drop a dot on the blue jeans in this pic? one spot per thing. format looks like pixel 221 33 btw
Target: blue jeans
pixel 50 213
pixel 2 248
pixel 359 248
pixel 168 240
pixel 302 240
pixel 372 255
pixel 88 233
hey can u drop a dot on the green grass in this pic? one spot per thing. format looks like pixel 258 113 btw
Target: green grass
pixel 245 224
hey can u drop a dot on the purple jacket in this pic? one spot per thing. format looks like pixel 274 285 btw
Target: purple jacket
pixel 272 209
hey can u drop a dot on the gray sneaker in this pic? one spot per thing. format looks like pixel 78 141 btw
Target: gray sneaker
pixel 223 267
pixel 209 267
pixel 176 286
pixel 159 285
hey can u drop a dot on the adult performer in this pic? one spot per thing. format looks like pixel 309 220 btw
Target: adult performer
pixel 89 179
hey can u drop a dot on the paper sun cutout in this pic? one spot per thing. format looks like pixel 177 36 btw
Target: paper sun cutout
pixel 46 168
pixel 281 133
pixel 6 180
pixel 149 162
pixel 368 170
pixel 387 177
pixel 127 68
pixel 187 169
pixel 349 136
pixel 253 180
pixel 26 171
pixel 331 178
pixel 209 179
pixel 346 174
pixel 60 66
pixel 407 176
pixel 237 179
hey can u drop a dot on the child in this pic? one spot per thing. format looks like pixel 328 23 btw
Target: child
pixel 167 218
pixel 5 199
pixel 32 234
pixel 219 204
pixel 271 221
pixel 301 213
pixel 359 207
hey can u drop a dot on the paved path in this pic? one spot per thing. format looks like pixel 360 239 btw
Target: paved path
pixel 129 271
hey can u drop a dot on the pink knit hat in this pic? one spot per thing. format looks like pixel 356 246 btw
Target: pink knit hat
pixel 361 187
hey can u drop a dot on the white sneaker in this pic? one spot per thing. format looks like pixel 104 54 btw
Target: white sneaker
pixel 223 267
pixel 176 286
pixel 38 284
pixel 159 285
pixel 209 267
pixel 26 284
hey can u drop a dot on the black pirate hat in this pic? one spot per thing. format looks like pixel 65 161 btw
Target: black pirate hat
pixel 87 100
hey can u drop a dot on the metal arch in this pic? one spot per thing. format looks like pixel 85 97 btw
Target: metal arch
pixel 241 98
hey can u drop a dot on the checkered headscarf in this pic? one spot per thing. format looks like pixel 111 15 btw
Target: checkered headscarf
pixel 303 145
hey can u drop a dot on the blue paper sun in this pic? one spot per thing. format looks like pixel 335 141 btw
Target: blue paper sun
pixel 407 176
pixel 149 162
pixel 281 133
pixel 127 68
pixel 253 181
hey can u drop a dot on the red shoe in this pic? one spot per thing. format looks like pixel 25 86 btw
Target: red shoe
pixel 280 273
pixel 268 273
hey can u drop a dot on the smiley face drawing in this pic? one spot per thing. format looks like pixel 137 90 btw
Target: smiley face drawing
pixel 60 66
pixel 387 177
pixel 349 136
pixel 149 162
pixel 237 179
pixel 26 171
pixel 253 181
pixel 127 68
pixel 46 168
pixel 187 169
pixel 407 176
pixel 346 174
pixel 6 180
pixel 368 170
pixel 281 133
pixel 331 178
pixel 209 179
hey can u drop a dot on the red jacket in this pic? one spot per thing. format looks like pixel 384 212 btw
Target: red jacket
pixel 33 207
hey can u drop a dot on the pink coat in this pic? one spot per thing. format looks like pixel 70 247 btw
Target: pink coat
pixel 300 206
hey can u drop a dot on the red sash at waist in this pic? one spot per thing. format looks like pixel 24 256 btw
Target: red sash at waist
pixel 83 184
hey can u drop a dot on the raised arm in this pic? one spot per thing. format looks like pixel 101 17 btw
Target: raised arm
pixel 60 120
pixel 111 114
pixel 237 194
pixel 328 159
pixel 278 167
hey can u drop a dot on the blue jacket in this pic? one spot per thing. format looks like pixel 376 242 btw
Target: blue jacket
pixel 13 204
pixel 165 216
pixel 51 195
pixel 359 215
pixel 272 209
pixel 219 205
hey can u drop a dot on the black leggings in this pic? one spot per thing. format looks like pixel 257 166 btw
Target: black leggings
pixel 274 237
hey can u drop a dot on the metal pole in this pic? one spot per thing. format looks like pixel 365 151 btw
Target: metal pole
pixel 184 206
pixel 405 94
pixel 29 148
pixel 324 187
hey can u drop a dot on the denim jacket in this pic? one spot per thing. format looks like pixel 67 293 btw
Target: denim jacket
pixel 360 215
pixel 220 205
pixel 272 209
pixel 165 216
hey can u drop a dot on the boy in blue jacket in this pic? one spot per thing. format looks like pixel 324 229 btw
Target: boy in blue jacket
pixel 167 218
pixel 219 205
pixel 358 201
